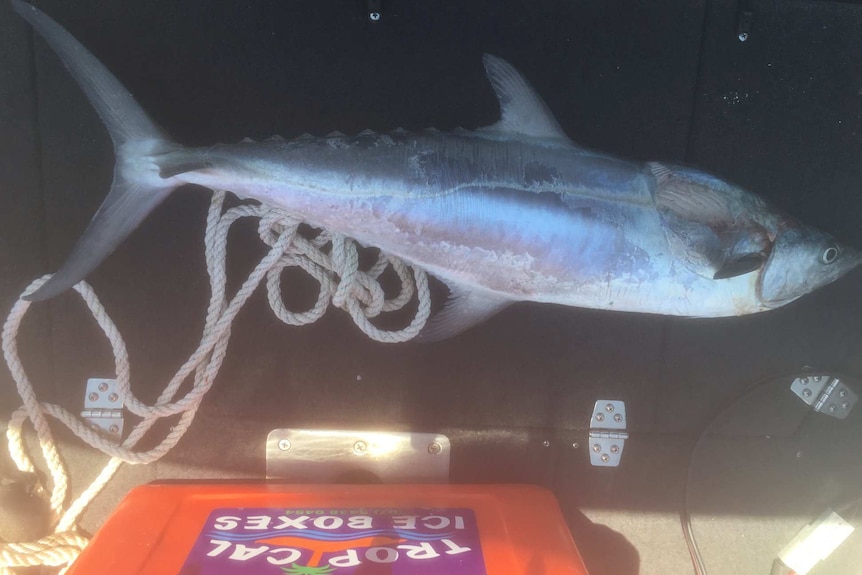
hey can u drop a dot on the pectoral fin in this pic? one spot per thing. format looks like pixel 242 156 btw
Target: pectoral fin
pixel 740 266
pixel 464 309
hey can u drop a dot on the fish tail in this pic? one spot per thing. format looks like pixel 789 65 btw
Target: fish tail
pixel 138 187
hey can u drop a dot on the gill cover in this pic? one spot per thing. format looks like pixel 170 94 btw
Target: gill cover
pixel 802 260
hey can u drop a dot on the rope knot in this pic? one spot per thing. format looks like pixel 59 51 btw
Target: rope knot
pixel 331 259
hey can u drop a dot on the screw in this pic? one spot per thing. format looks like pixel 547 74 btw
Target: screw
pixel 804 381
pixel 743 36
pixel 93 396
pixel 114 429
pixel 284 444
pixel 597 447
pixel 113 397
pixel 103 386
pixel 606 457
pixel 360 447
pixel 576 445
pixel 816 378
pixel 618 417
pixel 374 16
pixel 799 455
pixel 433 448
pixel 600 417
pixel 845 404
pixel 609 408
pixel 615 449
pixel 806 392
pixel 843 393
pixel 833 408
pixel 546 443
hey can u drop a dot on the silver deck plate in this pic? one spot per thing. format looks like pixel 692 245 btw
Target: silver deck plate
pixel 341 456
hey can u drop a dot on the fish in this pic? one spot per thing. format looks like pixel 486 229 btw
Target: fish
pixel 514 211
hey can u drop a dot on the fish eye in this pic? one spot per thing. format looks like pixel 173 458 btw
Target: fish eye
pixel 830 254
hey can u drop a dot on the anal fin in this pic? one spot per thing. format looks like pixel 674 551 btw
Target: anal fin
pixel 464 309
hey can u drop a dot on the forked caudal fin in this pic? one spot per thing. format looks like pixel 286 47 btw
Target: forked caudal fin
pixel 137 187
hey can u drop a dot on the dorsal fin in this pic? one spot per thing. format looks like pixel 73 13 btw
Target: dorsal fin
pixel 522 110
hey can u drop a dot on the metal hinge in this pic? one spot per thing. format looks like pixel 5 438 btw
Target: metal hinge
pixel 103 407
pixel 608 433
pixel 826 394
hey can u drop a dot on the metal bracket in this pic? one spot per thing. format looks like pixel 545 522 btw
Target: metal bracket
pixel 341 456
pixel 103 407
pixel 825 394
pixel 608 433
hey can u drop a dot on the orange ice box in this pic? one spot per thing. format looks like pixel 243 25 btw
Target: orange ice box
pixel 262 529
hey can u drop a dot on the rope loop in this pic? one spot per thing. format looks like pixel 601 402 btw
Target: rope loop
pixel 329 259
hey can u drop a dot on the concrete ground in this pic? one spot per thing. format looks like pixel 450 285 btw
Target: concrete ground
pixel 780 114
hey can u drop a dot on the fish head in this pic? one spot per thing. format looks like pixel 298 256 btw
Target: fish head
pixel 802 260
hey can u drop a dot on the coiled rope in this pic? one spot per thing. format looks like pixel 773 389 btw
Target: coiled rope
pixel 332 260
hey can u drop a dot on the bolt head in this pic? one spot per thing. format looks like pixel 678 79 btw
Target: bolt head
pixel 284 444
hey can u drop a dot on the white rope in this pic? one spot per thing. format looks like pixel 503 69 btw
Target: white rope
pixel 330 259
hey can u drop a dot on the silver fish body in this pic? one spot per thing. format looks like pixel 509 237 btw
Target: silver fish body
pixel 512 212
